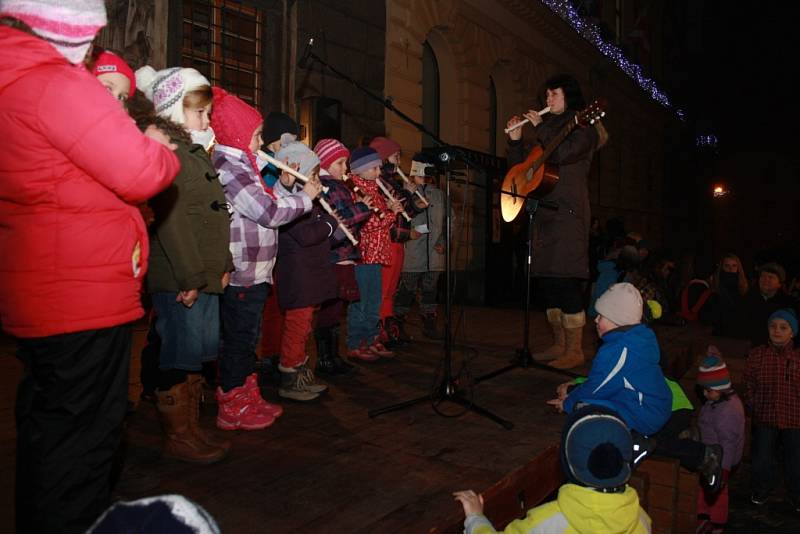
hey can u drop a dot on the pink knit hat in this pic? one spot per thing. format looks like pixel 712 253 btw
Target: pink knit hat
pixel 70 26
pixel 384 146
pixel 233 120
pixel 329 150
pixel 108 62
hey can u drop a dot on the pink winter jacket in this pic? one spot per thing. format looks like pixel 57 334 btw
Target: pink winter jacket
pixel 73 246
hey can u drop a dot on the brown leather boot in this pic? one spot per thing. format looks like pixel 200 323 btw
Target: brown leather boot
pixel 181 443
pixel 573 337
pixel 196 383
pixel 556 350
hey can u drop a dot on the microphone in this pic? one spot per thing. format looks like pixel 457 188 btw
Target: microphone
pixel 306 54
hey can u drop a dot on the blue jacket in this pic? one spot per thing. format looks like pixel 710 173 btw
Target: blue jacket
pixel 625 377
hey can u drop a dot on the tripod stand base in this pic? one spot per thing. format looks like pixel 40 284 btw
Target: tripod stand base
pixel 523 360
pixel 446 391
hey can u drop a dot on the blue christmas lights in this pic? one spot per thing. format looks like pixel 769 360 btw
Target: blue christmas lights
pixel 590 32
pixel 710 141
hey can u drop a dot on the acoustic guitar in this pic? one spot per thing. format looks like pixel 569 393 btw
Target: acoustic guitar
pixel 535 177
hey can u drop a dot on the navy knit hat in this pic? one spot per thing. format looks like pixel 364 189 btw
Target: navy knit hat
pixel 275 125
pixel 164 513
pixel 596 448
pixel 363 159
pixel 788 315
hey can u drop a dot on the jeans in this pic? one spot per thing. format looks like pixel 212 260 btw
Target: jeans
pixel 763 453
pixel 189 336
pixel 71 403
pixel 241 322
pixel 363 315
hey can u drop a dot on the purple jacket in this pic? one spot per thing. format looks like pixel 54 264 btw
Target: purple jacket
pixel 722 423
pixel 304 274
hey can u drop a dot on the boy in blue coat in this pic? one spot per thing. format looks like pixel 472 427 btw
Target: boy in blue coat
pixel 625 374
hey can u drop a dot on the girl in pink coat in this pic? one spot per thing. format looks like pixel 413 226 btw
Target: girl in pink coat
pixel 73 252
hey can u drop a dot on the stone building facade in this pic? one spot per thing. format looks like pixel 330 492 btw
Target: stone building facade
pixel 489 59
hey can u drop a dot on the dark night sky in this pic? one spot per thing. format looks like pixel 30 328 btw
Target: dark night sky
pixel 742 85
pixel 747 55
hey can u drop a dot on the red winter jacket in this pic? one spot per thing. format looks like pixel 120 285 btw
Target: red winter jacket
pixel 72 167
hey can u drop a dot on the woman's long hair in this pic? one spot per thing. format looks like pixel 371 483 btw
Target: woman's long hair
pixel 741 278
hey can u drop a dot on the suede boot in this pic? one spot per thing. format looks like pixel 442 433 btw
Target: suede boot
pixel 175 411
pixel 573 337
pixel 556 350
pixel 196 390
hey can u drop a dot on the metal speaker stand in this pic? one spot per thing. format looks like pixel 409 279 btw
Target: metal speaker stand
pixel 522 357
pixel 447 388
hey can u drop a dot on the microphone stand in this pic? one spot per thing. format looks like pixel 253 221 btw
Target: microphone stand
pixel 448 389
pixel 522 357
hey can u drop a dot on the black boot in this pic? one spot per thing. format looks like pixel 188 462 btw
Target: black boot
pixel 325 365
pixel 342 367
pixel 396 331
pixel 429 326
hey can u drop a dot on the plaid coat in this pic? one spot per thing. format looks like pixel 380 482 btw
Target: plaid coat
pixel 772 385
pixel 255 216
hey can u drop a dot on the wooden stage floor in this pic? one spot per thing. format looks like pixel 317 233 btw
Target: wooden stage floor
pixel 328 467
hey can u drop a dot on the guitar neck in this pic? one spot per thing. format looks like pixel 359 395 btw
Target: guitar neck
pixel 565 131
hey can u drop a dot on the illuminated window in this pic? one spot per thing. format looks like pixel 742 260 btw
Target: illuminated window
pixel 222 39
pixel 430 94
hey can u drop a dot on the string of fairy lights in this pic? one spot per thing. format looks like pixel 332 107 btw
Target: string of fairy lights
pixel 590 32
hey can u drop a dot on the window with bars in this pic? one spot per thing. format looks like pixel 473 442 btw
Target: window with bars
pixel 222 39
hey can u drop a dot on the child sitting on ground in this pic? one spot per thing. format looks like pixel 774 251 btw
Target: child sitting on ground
pixel 625 374
pixel 721 422
pixel 596 455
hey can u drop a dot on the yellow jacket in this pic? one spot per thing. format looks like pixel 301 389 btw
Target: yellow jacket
pixel 576 510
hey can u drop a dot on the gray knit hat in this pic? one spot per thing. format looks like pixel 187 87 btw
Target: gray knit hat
pixel 621 304
pixel 297 152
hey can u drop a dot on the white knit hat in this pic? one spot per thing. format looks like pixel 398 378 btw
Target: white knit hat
pixel 69 25
pixel 621 304
pixel 166 89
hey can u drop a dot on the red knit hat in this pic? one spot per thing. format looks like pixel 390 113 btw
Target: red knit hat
pixel 233 120
pixel 384 146
pixel 108 62
pixel 329 150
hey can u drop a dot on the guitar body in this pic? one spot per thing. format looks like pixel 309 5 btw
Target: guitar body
pixel 532 178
